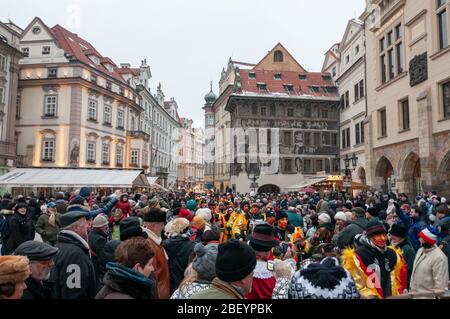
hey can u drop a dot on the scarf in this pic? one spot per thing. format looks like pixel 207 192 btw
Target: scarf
pixel 119 270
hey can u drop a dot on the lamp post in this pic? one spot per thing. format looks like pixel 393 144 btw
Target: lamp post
pixel 347 172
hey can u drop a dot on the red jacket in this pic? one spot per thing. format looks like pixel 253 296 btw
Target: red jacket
pixel 125 207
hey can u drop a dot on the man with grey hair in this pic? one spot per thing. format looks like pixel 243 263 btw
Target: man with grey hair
pixel 41 257
pixel 73 273
pixel 357 226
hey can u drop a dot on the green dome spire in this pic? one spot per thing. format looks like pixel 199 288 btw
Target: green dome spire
pixel 210 98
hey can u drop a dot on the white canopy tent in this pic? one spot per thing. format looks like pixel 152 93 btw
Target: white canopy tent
pixel 305 183
pixel 74 178
pixel 151 180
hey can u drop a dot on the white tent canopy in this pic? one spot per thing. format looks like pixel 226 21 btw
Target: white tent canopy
pixel 151 180
pixel 305 183
pixel 49 177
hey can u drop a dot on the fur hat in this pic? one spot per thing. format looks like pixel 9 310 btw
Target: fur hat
pixel 399 230
pixel 341 216
pixel 155 215
pixel 179 225
pixel 199 222
pixel 324 218
pixel 204 262
pixel 14 269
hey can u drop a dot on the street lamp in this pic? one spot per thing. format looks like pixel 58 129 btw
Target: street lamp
pixel 347 161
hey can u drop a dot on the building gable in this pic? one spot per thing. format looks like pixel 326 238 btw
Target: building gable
pixel 279 59
pixel 37 30
pixel 353 28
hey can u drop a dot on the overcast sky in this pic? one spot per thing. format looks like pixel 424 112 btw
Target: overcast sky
pixel 188 42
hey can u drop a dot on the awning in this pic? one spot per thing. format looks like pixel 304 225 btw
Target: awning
pixel 49 177
pixel 151 180
pixel 308 182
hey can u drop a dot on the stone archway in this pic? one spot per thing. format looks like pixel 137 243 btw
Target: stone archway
pixel 383 174
pixel 410 175
pixel 443 185
pixel 362 176
pixel 269 189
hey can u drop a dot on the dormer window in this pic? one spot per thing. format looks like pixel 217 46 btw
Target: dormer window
pixel 327 78
pixel 251 75
pixel 110 68
pixel 83 47
pixel 289 88
pixel 303 77
pixel 315 89
pixel 46 50
pixel 277 76
pixel 261 86
pixel 95 59
pixel 93 78
pixel 278 56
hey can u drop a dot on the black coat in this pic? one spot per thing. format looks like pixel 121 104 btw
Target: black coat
pixel 179 250
pixel 73 274
pixel 122 288
pixel 97 241
pixel 21 229
pixel 36 290
pixel 346 237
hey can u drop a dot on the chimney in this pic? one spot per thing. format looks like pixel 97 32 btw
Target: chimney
pixel 125 65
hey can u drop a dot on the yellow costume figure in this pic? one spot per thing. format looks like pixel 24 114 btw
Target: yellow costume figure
pixel 240 225
pixel 298 235
pixel 225 227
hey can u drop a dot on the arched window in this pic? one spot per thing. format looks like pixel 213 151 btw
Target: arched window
pixel 278 56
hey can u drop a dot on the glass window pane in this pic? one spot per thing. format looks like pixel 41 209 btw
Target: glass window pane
pixel 443 30
pixel 400 58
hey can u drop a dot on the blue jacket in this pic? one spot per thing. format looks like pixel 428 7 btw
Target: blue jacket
pixel 414 225
pixel 105 210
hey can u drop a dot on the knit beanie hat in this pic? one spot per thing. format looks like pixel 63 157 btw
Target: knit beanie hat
pixel 429 235
pixel 281 215
pixel 199 222
pixel 348 206
pixel 375 227
pixel 205 213
pixel 373 211
pixel 14 269
pixel 324 218
pixel 235 261
pixel 184 213
pixel 341 216
pixel 191 205
pixel 85 192
pixel 131 227
pixel 204 262
pixel 324 280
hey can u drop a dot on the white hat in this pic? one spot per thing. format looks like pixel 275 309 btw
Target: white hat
pixel 349 215
pixel 443 200
pixel 324 218
pixel 340 216
pixel 205 213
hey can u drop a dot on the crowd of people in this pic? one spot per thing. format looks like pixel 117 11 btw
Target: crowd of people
pixel 182 245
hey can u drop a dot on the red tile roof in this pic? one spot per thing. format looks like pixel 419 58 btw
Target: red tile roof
pixel 133 71
pixel 301 87
pixel 79 49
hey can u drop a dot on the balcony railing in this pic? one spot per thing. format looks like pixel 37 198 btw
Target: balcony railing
pixel 139 134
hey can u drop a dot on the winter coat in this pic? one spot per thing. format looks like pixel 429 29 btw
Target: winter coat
pixel 327 280
pixel 380 282
pixel 104 210
pixel 125 207
pixel 21 229
pixel 188 290
pixel 179 249
pixel 160 264
pixel 48 232
pixel 122 282
pixel 430 270
pixel 97 241
pixel 36 290
pixel 408 254
pixel 73 273
pixel 414 225
pixel 346 237
pixel 263 282
pixel 219 290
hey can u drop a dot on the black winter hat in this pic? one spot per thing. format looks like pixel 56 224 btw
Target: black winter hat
pixel 373 211
pixel 375 227
pixel 244 203
pixel 348 206
pixel 110 250
pixel 85 192
pixel 399 230
pixel 235 261
pixel 281 214
pixel 131 227
pixel 155 215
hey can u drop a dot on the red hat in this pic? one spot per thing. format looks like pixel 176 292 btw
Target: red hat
pixel 428 236
pixel 184 213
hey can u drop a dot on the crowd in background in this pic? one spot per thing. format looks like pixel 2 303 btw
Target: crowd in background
pixel 183 245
